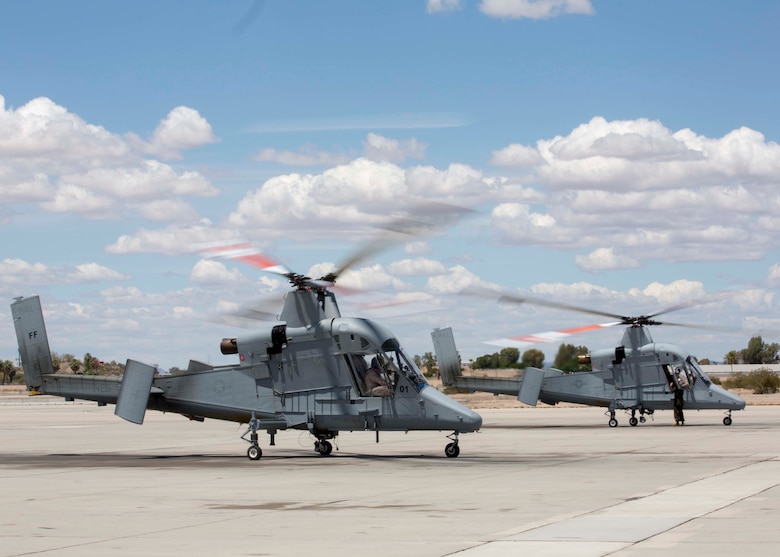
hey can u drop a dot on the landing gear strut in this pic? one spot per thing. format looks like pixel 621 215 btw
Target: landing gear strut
pixel 452 450
pixel 254 452
pixel 612 420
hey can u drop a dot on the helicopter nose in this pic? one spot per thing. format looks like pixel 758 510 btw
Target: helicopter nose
pixel 729 400
pixel 449 413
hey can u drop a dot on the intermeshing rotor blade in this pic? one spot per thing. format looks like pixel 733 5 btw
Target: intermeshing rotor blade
pixel 422 220
pixel 697 302
pixel 549 336
pixel 513 299
pixel 246 253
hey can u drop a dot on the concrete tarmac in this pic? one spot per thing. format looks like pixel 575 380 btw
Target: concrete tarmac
pixel 77 481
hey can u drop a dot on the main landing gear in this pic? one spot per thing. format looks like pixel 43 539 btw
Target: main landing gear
pixel 322 445
pixel 633 420
pixel 254 452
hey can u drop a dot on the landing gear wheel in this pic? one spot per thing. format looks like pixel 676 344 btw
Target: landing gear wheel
pixel 642 419
pixel 612 422
pixel 727 420
pixel 323 447
pixel 452 450
pixel 633 421
pixel 254 452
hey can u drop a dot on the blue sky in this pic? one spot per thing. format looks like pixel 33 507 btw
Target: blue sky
pixel 617 155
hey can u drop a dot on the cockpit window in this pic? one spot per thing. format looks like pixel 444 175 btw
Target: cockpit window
pixel 400 363
pixel 377 373
pixel 696 369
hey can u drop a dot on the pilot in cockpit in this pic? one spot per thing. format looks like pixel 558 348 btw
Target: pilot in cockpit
pixel 376 384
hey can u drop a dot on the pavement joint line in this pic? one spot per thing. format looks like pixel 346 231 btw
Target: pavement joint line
pixel 604 531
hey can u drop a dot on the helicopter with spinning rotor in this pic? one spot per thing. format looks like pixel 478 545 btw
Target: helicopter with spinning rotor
pixel 313 370
pixel 638 376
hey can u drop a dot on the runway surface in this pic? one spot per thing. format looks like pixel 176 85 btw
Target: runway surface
pixel 76 480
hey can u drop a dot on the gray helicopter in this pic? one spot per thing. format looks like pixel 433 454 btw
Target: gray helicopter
pixel 314 370
pixel 638 376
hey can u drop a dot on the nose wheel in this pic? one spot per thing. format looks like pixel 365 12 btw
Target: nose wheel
pixel 727 419
pixel 452 450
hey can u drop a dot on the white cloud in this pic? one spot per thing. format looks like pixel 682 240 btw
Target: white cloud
pixel 442 6
pixel 18 273
pixel 419 266
pixel 773 276
pixel 516 155
pixel 173 240
pixel 678 291
pixel 54 158
pixel 70 198
pixel 379 148
pixel 605 259
pixel 208 271
pixel 648 192
pixel 457 279
pixel 308 156
pixel 535 9
pixel 183 128
pixel 41 128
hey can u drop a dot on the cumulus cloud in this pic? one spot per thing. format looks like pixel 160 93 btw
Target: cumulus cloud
pixel 55 159
pixel 21 273
pixel 535 9
pixel 646 191
pixel 361 194
pixel 455 280
pixel 516 155
pixel 605 259
pixel 379 148
pixel 41 128
pixel 418 266
pixel 172 240
pixel 208 271
pixel 183 128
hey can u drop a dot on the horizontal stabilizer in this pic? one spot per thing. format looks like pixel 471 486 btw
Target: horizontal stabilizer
pixel 134 392
pixel 531 386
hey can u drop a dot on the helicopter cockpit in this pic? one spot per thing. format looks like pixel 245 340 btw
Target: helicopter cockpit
pixel 685 374
pixel 375 359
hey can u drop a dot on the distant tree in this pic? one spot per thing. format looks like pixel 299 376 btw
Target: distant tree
pixel 704 361
pixel 486 361
pixel 759 352
pixel 508 357
pixel 731 357
pixel 88 367
pixel 429 364
pixel 567 358
pixel 532 357
pixel 75 365
pixel 8 370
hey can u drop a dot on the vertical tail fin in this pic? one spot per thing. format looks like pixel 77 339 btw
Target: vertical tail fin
pixel 446 356
pixel 33 343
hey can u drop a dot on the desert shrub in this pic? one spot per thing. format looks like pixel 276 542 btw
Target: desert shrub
pixel 762 381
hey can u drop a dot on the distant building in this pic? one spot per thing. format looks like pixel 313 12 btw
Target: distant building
pixel 724 370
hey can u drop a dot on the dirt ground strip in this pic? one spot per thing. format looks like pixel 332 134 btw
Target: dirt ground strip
pixel 488 400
